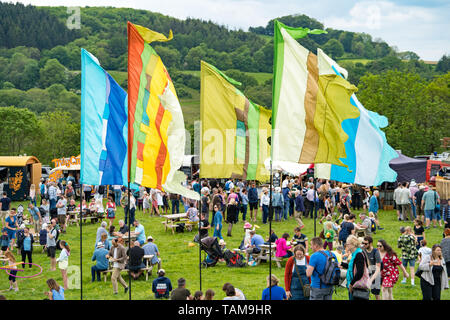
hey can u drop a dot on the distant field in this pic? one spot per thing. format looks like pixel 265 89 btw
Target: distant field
pixel 363 61
pixel 261 77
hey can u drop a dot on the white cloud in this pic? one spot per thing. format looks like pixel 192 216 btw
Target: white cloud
pixel 412 25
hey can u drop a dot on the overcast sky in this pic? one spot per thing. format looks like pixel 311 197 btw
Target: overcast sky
pixel 421 26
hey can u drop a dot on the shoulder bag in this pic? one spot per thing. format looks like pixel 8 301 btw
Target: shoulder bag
pixel 306 287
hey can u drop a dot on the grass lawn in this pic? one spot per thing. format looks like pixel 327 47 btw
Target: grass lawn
pixel 180 260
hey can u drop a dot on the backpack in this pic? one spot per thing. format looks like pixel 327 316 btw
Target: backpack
pixel 234 259
pixel 180 227
pixel 227 186
pixel 331 274
pixel 101 189
pixel 57 233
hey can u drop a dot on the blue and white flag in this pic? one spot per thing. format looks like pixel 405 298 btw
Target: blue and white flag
pixel 104 125
pixel 367 150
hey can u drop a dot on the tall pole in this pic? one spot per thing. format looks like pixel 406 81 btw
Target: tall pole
pixel 315 206
pixel 200 246
pixel 270 229
pixel 129 236
pixel 81 240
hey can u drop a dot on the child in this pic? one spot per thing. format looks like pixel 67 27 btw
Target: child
pixel 110 211
pixel 19 214
pixel 12 271
pixel 63 261
pixel 329 235
pixel 247 239
pixel 419 232
pixel 33 194
pixel 300 238
pixel 146 203
pixel 424 250
pixel 43 236
pixel 56 292
pixel 165 199
pixel 4 240
pixel 327 205
pixel 373 222
pixel 272 238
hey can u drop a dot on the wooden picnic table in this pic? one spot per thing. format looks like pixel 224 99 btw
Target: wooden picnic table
pixel 74 217
pixel 264 254
pixel 171 218
pixel 148 267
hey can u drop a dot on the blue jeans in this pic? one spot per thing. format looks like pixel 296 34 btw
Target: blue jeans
pixel 96 270
pixel 286 209
pixel 244 211
pixel 278 213
pixel 117 196
pixel 218 233
pixel 175 206
pixel 265 209
pixel 132 211
pixel 429 214
pixel 413 207
pixel 52 204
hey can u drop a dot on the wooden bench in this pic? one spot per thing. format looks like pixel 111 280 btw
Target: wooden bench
pixel 147 270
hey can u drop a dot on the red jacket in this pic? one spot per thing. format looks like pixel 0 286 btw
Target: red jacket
pixel 288 272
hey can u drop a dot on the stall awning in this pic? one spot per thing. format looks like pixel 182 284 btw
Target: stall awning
pixel 17 161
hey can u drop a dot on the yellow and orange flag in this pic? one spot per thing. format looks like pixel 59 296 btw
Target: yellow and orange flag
pixel 156 134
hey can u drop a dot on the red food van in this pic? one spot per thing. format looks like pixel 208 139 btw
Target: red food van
pixel 433 167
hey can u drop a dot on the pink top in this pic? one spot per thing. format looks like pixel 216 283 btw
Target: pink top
pixel 282 248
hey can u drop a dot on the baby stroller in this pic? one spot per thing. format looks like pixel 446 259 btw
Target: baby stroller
pixel 211 246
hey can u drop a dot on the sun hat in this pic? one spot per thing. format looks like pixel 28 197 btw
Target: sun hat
pixel 413 183
pixel 149 238
pixel 247 225
pixel 100 244
pixel 222 242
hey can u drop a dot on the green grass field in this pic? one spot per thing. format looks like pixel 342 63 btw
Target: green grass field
pixel 180 260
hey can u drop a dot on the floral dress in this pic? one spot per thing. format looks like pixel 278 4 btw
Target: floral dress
pixel 389 271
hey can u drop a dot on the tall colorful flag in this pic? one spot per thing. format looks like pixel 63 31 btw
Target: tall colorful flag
pixel 368 153
pixel 309 103
pixel 103 125
pixel 155 119
pixel 234 132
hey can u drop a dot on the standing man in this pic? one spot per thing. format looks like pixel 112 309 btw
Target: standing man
pixel 52 195
pixel 397 200
pixel 429 200
pixel 117 194
pixel 418 201
pixel 405 205
pixel 373 207
pixel 5 203
pixel 118 256
pixel 62 212
pixel 253 201
pixel 316 267
pixel 36 215
pixel 374 257
pixel 175 199
pixel 52 236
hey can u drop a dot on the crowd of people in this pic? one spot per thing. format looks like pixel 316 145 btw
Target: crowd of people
pixel 365 268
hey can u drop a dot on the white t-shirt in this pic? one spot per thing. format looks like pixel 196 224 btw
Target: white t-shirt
pixel 301 262
pixel 116 253
pixel 424 251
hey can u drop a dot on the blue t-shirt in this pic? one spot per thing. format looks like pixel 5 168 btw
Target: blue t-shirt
pixel 34 212
pixel 100 257
pixel 257 240
pixel 140 229
pixel 278 293
pixel 318 261
pixel 27 244
pixel 58 295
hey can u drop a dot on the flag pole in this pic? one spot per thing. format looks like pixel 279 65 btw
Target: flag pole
pixel 200 246
pixel 270 228
pixel 81 241
pixel 129 237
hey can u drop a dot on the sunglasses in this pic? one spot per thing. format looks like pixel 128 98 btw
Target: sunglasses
pixel 365 243
pixel 379 245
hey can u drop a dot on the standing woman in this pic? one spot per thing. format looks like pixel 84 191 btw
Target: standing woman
pixel 433 278
pixel 25 245
pixel 265 201
pixel 295 274
pixel 63 261
pixel 11 226
pixel 33 194
pixel 389 270
pixel 217 222
pixel 232 211
pixel 357 268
